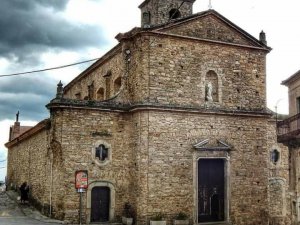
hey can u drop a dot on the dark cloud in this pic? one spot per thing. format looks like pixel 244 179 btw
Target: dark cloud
pixel 27 94
pixel 29 4
pixel 31 27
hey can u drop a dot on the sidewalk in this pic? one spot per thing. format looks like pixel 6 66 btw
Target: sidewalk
pixel 30 211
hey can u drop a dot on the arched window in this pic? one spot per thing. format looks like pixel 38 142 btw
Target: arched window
pixel 211 87
pixel 117 85
pixel 100 94
pixel 174 14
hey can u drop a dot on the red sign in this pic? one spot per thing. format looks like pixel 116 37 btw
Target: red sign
pixel 81 179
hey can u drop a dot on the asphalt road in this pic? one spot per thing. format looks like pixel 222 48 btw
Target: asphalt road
pixel 12 214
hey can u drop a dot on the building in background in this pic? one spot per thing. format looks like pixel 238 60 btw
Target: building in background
pixel 289 135
pixel 172 119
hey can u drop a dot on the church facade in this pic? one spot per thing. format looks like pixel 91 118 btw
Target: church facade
pixel 172 119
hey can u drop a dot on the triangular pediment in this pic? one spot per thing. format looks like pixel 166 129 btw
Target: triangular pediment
pixel 212 145
pixel 210 25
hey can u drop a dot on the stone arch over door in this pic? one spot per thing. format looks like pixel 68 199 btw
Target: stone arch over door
pixel 219 151
pixel 112 199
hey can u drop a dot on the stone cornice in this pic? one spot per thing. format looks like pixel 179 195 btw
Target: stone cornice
pixel 44 124
pixel 145 32
pixel 157 33
pixel 111 106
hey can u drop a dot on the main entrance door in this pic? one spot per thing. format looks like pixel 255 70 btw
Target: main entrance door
pixel 210 190
pixel 100 200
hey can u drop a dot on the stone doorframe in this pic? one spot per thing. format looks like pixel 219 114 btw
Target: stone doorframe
pixel 217 155
pixel 111 203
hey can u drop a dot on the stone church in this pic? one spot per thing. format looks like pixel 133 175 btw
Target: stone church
pixel 172 119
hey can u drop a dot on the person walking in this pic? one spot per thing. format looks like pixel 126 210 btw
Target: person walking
pixel 24 189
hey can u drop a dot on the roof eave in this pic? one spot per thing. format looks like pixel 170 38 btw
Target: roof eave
pixel 291 79
pixel 143 3
pixel 44 124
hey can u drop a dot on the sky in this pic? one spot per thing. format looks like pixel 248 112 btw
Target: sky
pixel 38 34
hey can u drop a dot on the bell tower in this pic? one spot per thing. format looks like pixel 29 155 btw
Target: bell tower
pixel 155 12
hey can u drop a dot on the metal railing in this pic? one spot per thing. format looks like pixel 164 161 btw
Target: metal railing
pixel 288 128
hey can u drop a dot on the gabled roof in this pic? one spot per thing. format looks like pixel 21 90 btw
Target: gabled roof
pixel 209 145
pixel 178 22
pixel 44 124
pixel 159 30
pixel 291 79
pixel 23 129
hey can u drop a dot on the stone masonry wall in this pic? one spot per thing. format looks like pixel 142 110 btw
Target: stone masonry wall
pixel 179 68
pixel 279 182
pixel 80 131
pixel 29 162
pixel 294 186
pixel 166 169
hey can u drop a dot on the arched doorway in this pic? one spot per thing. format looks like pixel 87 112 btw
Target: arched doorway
pixel 100 202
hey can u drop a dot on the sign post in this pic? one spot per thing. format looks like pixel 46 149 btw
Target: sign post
pixel 81 184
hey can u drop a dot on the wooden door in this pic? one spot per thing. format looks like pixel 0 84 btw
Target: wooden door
pixel 211 190
pixel 100 203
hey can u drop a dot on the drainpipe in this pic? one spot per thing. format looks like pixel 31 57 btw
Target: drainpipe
pixel 51 184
